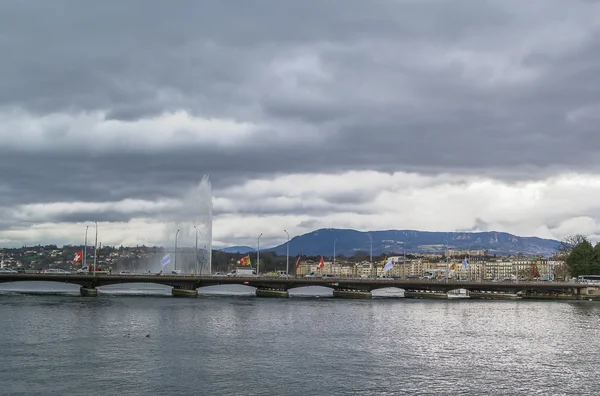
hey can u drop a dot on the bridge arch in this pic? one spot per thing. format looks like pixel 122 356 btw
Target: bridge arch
pixel 387 291
pixel 311 291
pixel 227 290
pixel 39 286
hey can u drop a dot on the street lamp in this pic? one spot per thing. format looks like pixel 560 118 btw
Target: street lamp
pixel 403 259
pixel 447 251
pixel 287 255
pixel 175 264
pixel 85 248
pixel 469 262
pixel 258 255
pixel 196 252
pixel 371 256
pixel 517 269
pixel 95 247
pixel 334 241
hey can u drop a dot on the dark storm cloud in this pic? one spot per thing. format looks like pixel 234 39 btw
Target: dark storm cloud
pixel 425 86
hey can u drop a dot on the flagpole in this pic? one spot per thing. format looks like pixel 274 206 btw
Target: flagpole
pixel 95 247
pixel 287 255
pixel 85 248
pixel 196 252
pixel 371 256
pixel 258 255
pixel 176 250
pixel 334 241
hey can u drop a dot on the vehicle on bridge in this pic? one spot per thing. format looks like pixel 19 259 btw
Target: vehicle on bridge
pixel 588 279
pixel 57 271
pixel 242 272
pixel 8 271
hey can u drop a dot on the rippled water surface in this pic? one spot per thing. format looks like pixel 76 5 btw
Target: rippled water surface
pixel 242 345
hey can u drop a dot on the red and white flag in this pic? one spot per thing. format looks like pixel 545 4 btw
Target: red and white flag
pixel 321 263
pixel 298 261
pixel 78 257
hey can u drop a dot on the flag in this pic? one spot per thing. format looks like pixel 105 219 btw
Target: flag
pixel 244 261
pixel 465 263
pixel 78 257
pixel 321 263
pixel 165 260
pixel 533 270
pixel 298 261
pixel 388 266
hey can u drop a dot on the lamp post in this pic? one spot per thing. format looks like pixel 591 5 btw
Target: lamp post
pixel 175 264
pixel 371 255
pixel 85 248
pixel 334 241
pixel 447 268
pixel 258 255
pixel 517 269
pixel 196 252
pixel 403 260
pixel 95 247
pixel 287 255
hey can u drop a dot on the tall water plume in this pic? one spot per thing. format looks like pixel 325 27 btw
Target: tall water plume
pixel 192 216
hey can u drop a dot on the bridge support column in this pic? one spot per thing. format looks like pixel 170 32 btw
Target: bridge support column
pixel 88 291
pixel 352 294
pixel 428 295
pixel 184 293
pixel 272 293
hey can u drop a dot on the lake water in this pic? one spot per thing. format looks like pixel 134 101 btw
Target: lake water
pixel 236 344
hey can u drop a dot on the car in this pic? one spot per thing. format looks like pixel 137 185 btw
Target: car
pixel 56 271
pixel 311 275
pixel 82 271
pixel 219 275
pixel 124 272
pixel 7 271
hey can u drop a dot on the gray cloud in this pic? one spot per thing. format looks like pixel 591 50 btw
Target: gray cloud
pixel 505 89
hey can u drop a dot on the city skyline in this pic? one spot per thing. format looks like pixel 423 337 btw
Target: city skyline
pixel 375 115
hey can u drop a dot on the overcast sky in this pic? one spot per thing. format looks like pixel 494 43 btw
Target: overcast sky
pixel 424 114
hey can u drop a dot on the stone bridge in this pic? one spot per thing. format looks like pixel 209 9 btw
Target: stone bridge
pixel 342 287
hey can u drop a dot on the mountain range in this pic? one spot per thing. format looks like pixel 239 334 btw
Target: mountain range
pixel 348 242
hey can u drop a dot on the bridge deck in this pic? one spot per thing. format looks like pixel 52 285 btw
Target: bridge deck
pixel 192 282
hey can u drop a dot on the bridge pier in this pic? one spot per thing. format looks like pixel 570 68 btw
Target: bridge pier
pixel 428 295
pixel 88 291
pixel 272 293
pixel 175 292
pixel 353 294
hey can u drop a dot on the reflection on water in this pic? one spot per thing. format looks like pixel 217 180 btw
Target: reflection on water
pixel 111 345
pixel 241 345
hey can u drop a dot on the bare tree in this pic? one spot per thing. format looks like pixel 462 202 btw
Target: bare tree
pixel 567 244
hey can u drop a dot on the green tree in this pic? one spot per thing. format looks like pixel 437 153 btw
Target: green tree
pixel 581 259
pixel 595 265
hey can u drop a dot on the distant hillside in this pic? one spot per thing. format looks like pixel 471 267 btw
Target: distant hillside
pixel 320 242
pixel 237 249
